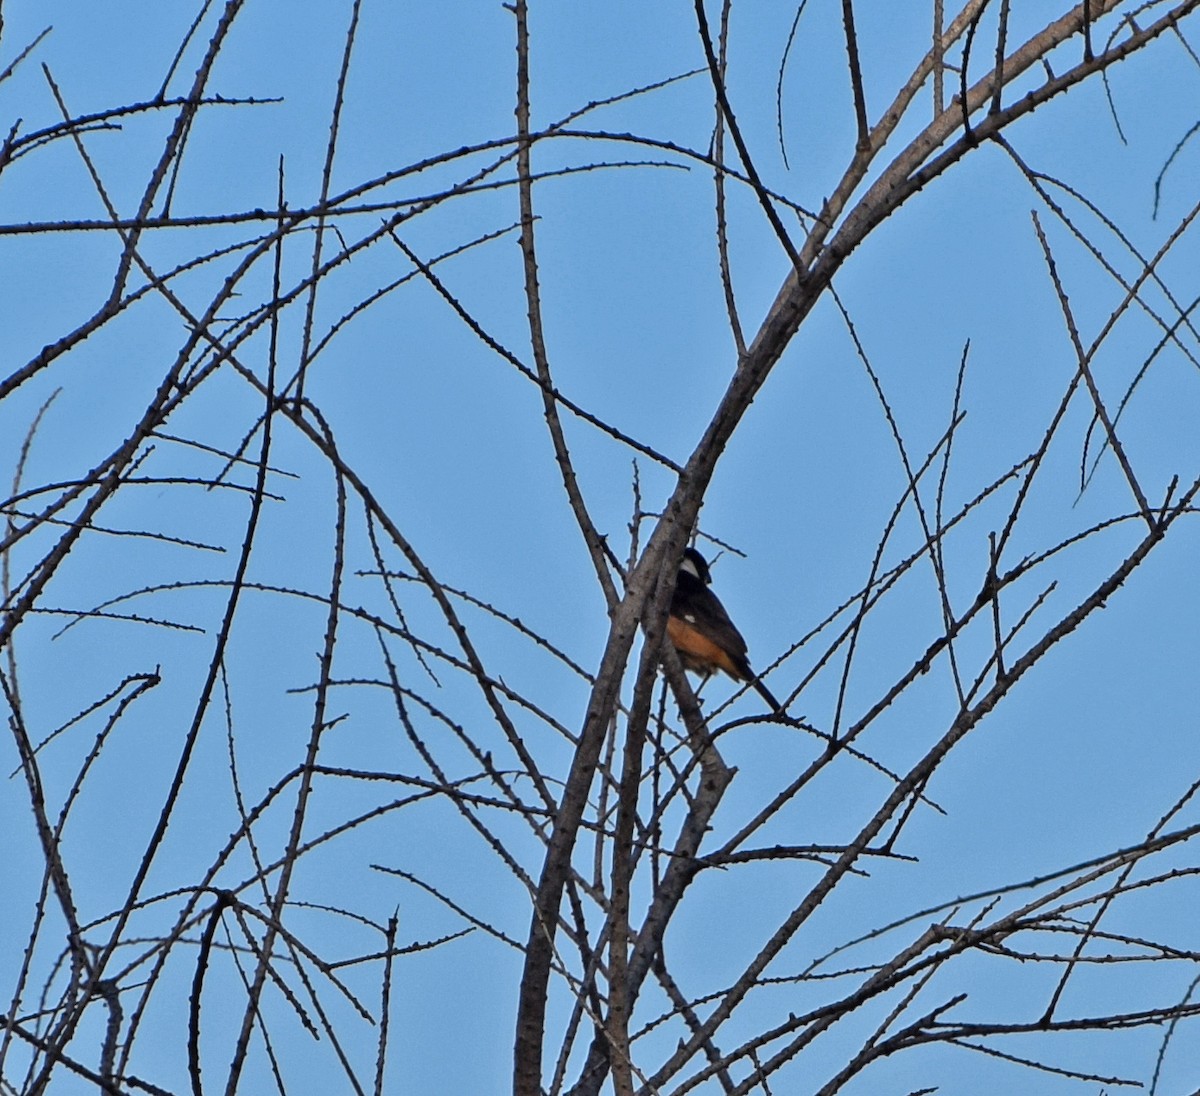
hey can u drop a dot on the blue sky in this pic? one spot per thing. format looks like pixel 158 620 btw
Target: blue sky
pixel 1083 757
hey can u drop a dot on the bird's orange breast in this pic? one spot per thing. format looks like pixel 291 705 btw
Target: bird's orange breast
pixel 699 653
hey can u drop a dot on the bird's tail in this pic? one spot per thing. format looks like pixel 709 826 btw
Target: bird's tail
pixel 767 695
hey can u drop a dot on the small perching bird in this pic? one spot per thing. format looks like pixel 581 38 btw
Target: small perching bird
pixel 702 632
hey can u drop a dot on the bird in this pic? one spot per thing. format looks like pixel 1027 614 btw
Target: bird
pixel 702 632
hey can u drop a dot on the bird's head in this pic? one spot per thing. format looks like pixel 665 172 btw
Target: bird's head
pixel 694 564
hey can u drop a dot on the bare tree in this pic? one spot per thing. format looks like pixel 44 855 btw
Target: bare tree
pixel 326 766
